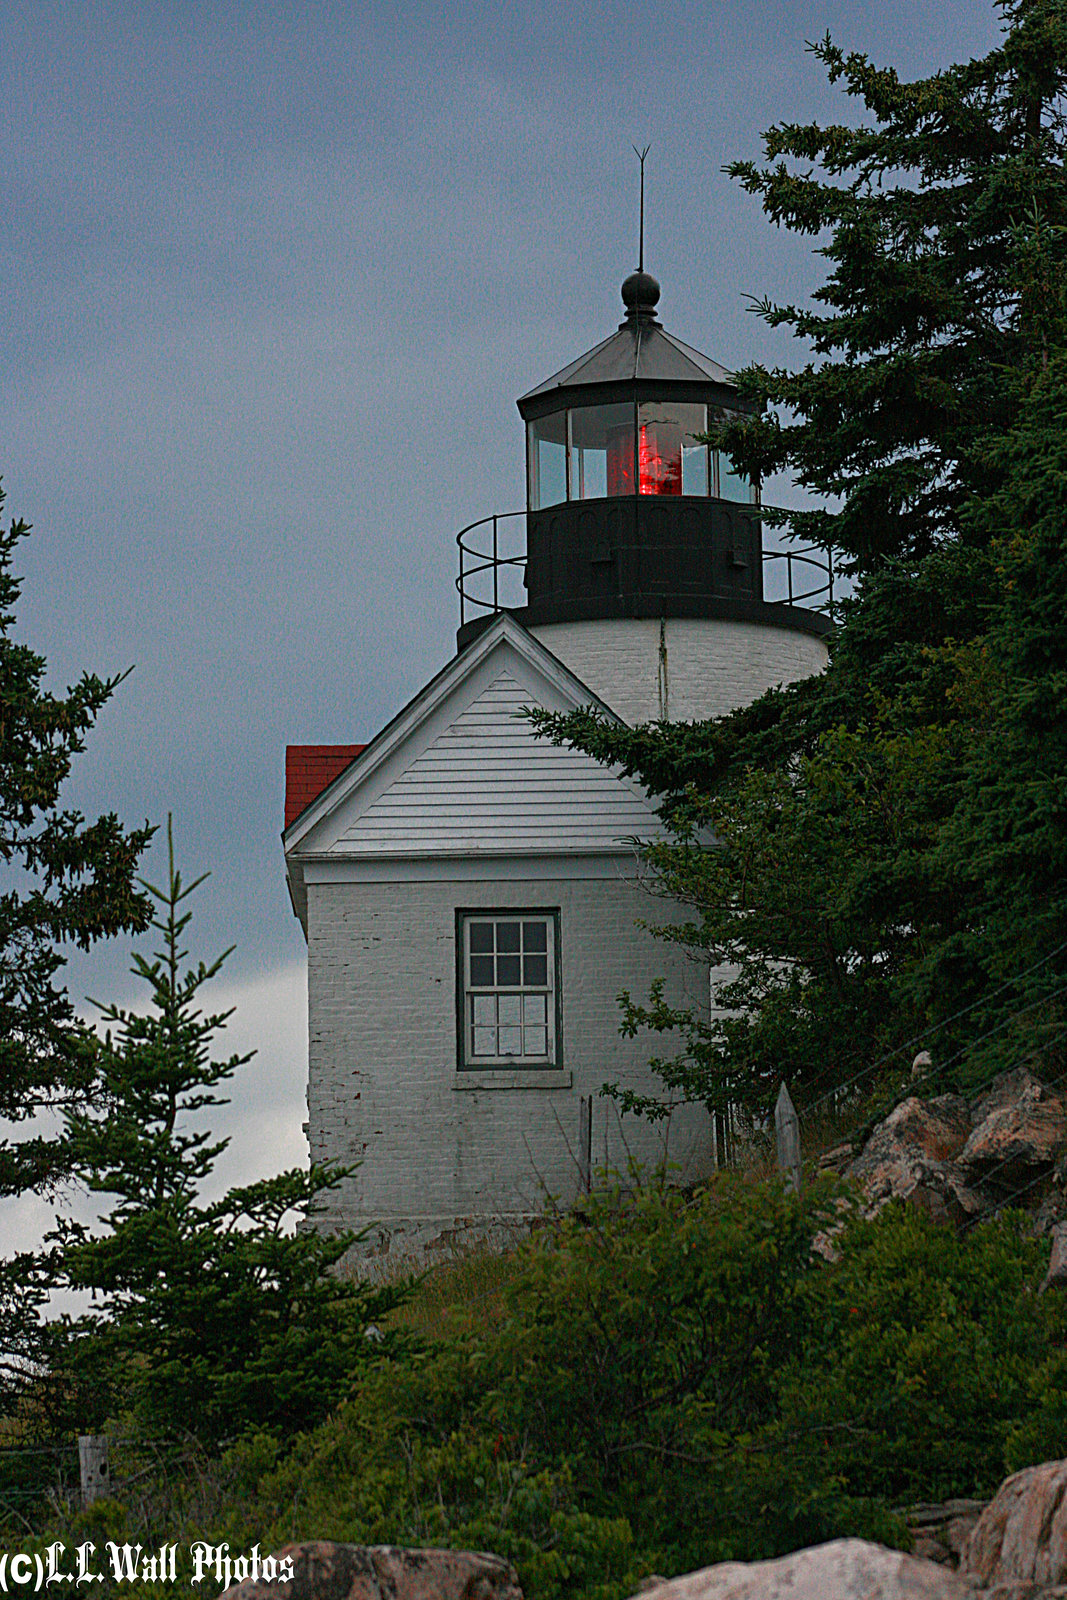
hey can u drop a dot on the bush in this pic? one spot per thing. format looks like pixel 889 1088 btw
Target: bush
pixel 637 1374
pixel 924 1353
pixel 678 1380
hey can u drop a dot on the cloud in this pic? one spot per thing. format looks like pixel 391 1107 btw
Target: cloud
pixel 267 1098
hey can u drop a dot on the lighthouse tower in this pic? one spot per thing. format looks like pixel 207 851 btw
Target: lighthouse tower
pixel 471 895
pixel 645 571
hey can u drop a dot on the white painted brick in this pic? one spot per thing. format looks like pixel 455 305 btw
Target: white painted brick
pixel 713 665
pixel 382 1048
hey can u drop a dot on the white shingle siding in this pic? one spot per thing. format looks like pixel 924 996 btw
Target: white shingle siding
pixel 488 783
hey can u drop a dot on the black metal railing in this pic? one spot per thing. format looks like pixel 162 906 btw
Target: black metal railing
pixel 485 574
pixel 492 569
pixel 785 572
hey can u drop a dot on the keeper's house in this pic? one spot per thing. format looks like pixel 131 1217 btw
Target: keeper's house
pixel 470 894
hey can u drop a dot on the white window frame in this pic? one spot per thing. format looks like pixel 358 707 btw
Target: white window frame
pixel 514 995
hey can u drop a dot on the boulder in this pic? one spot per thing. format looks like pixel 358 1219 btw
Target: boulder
pixel 1015 1139
pixel 940 1529
pixel 909 1157
pixel 935 1129
pixel 1017 1087
pixel 955 1162
pixel 935 1187
pixel 847 1569
pixel 1018 1548
pixel 323 1570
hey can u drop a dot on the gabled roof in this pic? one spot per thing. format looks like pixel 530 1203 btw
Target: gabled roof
pixel 640 351
pixel 460 774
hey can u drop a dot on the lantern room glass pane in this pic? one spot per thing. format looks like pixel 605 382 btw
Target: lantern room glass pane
pixel 732 486
pixel 547 444
pixel 602 452
pixel 666 430
pixel 694 468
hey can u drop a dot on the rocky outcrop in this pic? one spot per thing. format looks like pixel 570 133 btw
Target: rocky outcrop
pixel 1019 1128
pixel 323 1570
pixel 1012 1548
pixel 956 1161
pixel 940 1531
pixel 935 1130
pixel 847 1569
pixel 1018 1550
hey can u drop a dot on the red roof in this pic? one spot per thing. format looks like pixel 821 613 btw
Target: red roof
pixel 309 768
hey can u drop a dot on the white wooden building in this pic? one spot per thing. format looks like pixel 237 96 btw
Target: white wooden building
pixel 471 895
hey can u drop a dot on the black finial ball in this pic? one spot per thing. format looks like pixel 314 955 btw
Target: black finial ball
pixel 640 293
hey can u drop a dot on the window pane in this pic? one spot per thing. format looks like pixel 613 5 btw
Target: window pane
pixel 663 427
pixel 510 1009
pixel 548 460
pixel 731 485
pixel 507 972
pixel 535 970
pixel 694 469
pixel 482 971
pixel 602 451
pixel 485 1010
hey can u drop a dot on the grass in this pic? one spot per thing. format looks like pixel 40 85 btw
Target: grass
pixel 460 1296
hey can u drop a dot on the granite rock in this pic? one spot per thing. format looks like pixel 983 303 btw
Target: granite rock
pixel 323 1570
pixel 1018 1549
pixel 846 1569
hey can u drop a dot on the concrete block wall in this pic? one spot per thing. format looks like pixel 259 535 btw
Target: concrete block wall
pixel 442 1161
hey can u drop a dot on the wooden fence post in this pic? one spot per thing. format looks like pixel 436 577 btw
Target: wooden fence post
pixel 585 1142
pixel 787 1138
pixel 93 1462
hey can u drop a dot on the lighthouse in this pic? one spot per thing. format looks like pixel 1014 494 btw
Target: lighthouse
pixel 472 896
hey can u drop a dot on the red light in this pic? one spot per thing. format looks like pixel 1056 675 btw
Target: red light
pixel 659 459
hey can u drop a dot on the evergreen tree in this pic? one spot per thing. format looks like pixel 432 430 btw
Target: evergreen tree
pixel 211 1317
pixel 67 881
pixel 890 834
pixel 946 211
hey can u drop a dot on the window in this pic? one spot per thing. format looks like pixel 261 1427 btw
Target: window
pixel 670 460
pixel 587 453
pixel 548 460
pixel 602 452
pixel 507 989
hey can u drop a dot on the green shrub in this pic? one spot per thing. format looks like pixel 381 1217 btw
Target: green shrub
pixel 624 1418
pixel 676 1380
pixel 925 1347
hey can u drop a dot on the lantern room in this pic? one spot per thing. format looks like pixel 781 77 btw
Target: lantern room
pixel 629 512
pixel 631 515
pixel 647 441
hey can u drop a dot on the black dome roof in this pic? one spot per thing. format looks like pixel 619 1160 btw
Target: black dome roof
pixel 640 351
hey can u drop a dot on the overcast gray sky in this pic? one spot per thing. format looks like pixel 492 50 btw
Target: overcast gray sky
pixel 273 275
